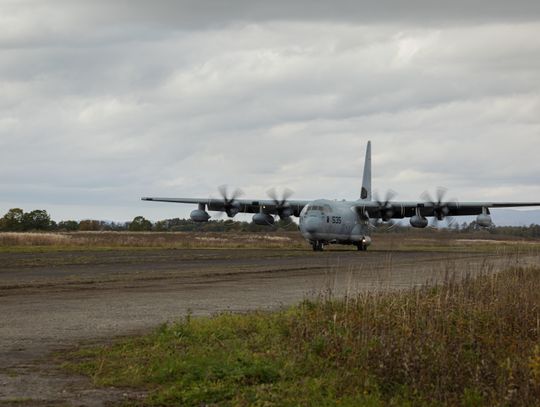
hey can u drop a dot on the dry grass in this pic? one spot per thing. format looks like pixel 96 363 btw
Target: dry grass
pixel 28 241
pixel 34 239
pixel 466 342
pixel 186 240
pixel 471 341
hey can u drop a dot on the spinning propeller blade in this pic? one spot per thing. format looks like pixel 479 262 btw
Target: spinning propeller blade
pixel 385 208
pixel 230 203
pixel 283 207
pixel 441 209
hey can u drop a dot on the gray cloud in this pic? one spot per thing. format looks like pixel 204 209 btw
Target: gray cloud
pixel 102 104
pixel 28 22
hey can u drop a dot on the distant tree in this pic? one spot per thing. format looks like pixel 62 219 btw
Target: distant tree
pixel 535 230
pixel 89 225
pixel 140 224
pixel 105 226
pixel 68 225
pixel 176 224
pixel 12 220
pixel 38 219
pixel 118 226
pixel 161 226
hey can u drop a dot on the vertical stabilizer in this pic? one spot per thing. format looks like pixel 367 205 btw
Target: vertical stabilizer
pixel 366 181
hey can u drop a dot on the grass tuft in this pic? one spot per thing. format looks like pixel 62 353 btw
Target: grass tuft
pixel 472 342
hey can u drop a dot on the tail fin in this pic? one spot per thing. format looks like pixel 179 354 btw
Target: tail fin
pixel 366 181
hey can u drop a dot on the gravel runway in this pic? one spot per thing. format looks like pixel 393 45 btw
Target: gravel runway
pixel 54 300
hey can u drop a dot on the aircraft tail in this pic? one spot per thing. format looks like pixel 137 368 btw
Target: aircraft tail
pixel 366 181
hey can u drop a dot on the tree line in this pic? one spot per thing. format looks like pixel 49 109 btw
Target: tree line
pixel 16 220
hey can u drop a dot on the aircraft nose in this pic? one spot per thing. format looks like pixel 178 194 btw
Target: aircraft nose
pixel 311 225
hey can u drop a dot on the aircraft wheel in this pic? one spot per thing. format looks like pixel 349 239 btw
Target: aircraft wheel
pixel 317 246
pixel 361 247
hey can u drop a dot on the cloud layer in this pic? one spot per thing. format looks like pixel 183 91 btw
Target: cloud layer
pixel 101 105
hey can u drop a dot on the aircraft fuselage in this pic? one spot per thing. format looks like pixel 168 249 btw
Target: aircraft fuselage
pixel 323 222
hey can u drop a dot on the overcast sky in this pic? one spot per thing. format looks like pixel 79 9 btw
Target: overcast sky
pixel 101 104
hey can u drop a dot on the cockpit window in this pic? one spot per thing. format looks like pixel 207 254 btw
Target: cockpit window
pixel 314 208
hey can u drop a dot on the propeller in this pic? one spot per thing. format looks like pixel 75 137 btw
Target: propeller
pixel 230 203
pixel 283 208
pixel 383 214
pixel 385 208
pixel 441 209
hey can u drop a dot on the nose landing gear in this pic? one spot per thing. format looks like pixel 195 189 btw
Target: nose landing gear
pixel 317 246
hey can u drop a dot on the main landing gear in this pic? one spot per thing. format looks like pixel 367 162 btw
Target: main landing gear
pixel 361 246
pixel 317 246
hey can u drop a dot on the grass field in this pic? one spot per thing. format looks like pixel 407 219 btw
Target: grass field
pixel 10 241
pixel 472 342
pixel 469 342
pixel 95 241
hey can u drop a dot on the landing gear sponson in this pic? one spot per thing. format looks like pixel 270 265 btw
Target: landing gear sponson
pixel 318 246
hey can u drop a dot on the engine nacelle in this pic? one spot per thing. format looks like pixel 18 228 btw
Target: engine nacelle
pixel 199 215
pixel 263 219
pixel 484 220
pixel 286 212
pixel 418 221
pixel 233 209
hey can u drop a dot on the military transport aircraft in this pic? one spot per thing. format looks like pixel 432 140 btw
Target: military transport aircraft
pixel 323 221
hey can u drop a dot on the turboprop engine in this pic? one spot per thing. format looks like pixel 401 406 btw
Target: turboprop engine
pixel 283 208
pixel 263 219
pixel 199 215
pixel 230 204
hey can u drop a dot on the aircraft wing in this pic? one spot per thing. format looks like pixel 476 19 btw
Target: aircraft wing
pixel 244 205
pixel 399 210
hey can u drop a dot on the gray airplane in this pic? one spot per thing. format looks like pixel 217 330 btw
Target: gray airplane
pixel 324 222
